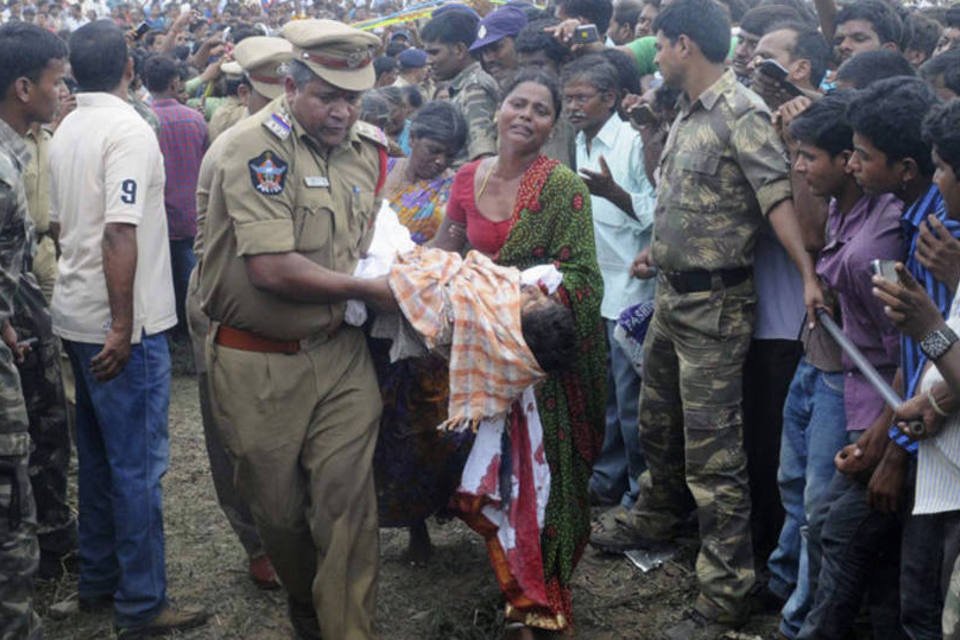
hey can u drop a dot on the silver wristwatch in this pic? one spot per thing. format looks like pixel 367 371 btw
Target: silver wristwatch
pixel 937 342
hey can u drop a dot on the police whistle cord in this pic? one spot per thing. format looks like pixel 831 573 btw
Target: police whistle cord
pixel 916 428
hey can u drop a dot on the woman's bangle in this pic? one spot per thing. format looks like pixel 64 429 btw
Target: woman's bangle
pixel 936 407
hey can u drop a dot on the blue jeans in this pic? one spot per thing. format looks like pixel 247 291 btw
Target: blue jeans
pixel 814 426
pixel 620 463
pixel 182 261
pixel 123 449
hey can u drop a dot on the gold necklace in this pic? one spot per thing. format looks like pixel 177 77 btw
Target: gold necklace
pixel 486 179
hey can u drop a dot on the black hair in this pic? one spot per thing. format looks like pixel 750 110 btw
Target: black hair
pixel 952 17
pixel 941 130
pixel 413 96
pixel 384 64
pixel 442 122
pixel 596 12
pixel 825 124
pixel 735 9
pixel 803 8
pixel 947 64
pixel 627 12
pixel 242 32
pixel 809 45
pixel 542 78
pixel 533 38
pixel 890 114
pixel 870 66
pixel 302 74
pixel 158 72
pixel 98 55
pixel 550 333
pixel 450 28
pixel 26 50
pixel 759 20
pixel 921 34
pixel 627 71
pixel 885 21
pixel 231 86
pixel 596 71
pixel 395 48
pixel 702 21
pixel 150 39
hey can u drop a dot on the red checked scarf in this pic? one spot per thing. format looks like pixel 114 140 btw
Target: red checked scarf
pixel 490 364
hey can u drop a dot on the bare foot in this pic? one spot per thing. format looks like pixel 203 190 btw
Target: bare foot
pixel 420 548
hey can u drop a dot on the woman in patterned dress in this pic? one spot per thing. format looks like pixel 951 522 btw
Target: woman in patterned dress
pixel 524 209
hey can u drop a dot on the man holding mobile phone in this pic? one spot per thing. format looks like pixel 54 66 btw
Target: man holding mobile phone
pixel 790 60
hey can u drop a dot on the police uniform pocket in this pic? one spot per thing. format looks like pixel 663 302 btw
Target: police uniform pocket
pixel 362 217
pixel 312 229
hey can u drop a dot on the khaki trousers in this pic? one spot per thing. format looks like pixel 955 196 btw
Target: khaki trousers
pixel 302 430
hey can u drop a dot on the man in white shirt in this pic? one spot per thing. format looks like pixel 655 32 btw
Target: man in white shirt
pixel 112 302
pixel 610 159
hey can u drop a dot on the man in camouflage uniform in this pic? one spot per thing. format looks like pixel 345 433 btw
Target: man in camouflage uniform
pixel 40 372
pixel 447 39
pixel 33 69
pixel 722 170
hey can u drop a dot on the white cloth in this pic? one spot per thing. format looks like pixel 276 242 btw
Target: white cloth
pixel 619 237
pixel 938 464
pixel 106 167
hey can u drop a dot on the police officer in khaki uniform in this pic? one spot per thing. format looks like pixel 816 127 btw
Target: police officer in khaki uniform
pixel 233 108
pixel 264 59
pixel 291 209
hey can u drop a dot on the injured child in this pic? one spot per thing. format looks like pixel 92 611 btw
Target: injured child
pixel 499 328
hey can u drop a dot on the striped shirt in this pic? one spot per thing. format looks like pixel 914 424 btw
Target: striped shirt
pixel 912 358
pixel 938 463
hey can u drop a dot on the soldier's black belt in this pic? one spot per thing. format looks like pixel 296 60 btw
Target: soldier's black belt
pixel 697 280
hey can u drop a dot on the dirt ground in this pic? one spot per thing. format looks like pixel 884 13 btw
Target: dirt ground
pixel 453 598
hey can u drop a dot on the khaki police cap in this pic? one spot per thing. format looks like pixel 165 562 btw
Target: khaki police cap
pixel 231 68
pixel 341 55
pixel 263 59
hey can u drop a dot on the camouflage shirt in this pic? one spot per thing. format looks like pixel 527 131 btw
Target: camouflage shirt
pixel 723 168
pixel 476 93
pixel 14 157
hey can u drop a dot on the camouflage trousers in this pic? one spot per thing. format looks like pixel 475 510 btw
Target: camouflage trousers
pixel 47 413
pixel 691 431
pixel 19 554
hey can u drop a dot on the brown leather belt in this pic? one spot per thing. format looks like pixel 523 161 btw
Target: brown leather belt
pixel 247 341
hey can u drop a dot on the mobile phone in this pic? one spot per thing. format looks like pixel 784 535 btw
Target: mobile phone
pixel 643 115
pixel 140 31
pixel 886 269
pixel 776 71
pixel 585 34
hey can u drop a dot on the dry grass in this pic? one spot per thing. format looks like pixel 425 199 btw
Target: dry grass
pixel 454 598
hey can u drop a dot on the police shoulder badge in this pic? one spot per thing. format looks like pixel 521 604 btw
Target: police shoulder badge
pixel 268 173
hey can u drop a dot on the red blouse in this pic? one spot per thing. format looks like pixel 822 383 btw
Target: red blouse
pixel 483 234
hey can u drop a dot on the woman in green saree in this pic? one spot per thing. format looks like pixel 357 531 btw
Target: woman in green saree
pixel 524 209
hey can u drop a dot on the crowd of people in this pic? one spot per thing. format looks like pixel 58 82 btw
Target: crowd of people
pixel 569 273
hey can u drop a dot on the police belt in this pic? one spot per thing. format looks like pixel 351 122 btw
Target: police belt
pixel 248 341
pixel 697 280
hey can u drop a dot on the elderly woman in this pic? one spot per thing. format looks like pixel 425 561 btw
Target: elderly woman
pixel 524 209
pixel 417 467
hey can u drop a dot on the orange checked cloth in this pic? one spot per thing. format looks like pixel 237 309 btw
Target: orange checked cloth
pixel 490 364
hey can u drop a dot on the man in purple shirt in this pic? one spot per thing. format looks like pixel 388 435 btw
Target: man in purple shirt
pixel 183 141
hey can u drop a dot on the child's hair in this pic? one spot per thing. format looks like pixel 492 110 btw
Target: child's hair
pixel 549 332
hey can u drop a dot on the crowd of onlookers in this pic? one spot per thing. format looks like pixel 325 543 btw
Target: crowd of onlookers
pixel 747 166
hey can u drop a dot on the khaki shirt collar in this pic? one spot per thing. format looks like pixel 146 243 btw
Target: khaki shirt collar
pixel 709 98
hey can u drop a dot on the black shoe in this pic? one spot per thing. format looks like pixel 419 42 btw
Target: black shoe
pixel 95 604
pixel 763 600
